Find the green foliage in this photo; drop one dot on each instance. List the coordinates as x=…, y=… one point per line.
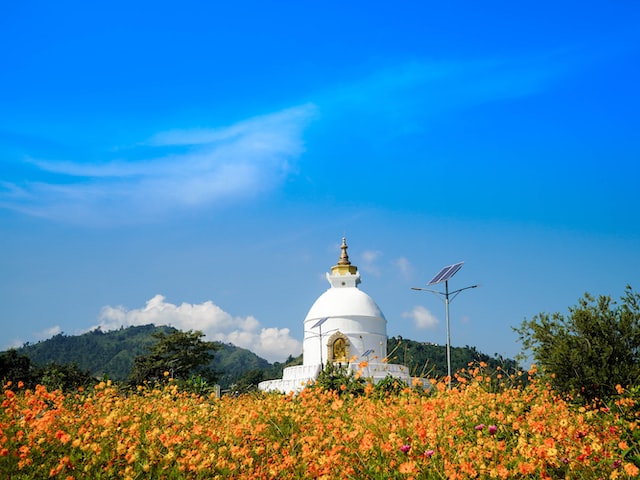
x=175, y=355
x=15, y=368
x=67, y=377
x=231, y=363
x=102, y=353
x=491, y=379
x=389, y=385
x=592, y=349
x=197, y=384
x=340, y=379
x=430, y=360
x=112, y=354
x=248, y=382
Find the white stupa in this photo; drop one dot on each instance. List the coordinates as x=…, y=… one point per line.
x=343, y=326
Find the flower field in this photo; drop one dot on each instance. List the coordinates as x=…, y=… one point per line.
x=471, y=431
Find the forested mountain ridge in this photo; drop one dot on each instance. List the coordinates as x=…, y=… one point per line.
x=112, y=354
x=101, y=353
x=430, y=360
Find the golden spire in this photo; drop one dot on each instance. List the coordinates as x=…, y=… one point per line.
x=344, y=265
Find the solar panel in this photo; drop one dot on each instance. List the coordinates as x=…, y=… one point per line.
x=446, y=273
x=320, y=322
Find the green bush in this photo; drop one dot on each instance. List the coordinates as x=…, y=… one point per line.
x=340, y=379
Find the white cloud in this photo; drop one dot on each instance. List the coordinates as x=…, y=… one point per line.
x=13, y=343
x=280, y=127
x=422, y=318
x=369, y=258
x=274, y=344
x=219, y=166
x=404, y=267
x=440, y=86
x=48, y=332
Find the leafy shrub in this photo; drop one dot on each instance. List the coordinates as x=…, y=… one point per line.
x=390, y=385
x=340, y=379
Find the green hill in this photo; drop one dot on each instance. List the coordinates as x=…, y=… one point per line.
x=101, y=353
x=430, y=360
x=112, y=353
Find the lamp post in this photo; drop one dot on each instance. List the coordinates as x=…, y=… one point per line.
x=444, y=275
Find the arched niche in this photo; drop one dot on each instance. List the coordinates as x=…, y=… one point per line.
x=338, y=348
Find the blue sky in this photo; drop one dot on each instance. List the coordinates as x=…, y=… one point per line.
x=197, y=164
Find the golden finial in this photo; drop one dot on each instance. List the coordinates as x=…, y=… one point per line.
x=344, y=258
x=344, y=265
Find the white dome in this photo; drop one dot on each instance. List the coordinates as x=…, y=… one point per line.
x=344, y=302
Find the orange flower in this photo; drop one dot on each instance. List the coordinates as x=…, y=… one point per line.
x=368, y=389
x=366, y=443
x=631, y=469
x=502, y=471
x=407, y=467
x=525, y=468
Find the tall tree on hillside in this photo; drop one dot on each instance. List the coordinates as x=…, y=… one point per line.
x=176, y=355
x=591, y=350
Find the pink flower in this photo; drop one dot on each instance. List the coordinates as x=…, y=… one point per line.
x=405, y=448
x=492, y=429
x=429, y=453
x=479, y=426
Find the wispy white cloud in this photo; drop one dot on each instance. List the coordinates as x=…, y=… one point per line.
x=274, y=344
x=369, y=259
x=13, y=343
x=404, y=267
x=264, y=130
x=48, y=332
x=422, y=318
x=219, y=166
x=411, y=93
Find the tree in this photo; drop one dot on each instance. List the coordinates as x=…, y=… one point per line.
x=177, y=355
x=66, y=377
x=591, y=350
x=17, y=368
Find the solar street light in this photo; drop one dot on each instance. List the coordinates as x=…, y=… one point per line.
x=445, y=275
